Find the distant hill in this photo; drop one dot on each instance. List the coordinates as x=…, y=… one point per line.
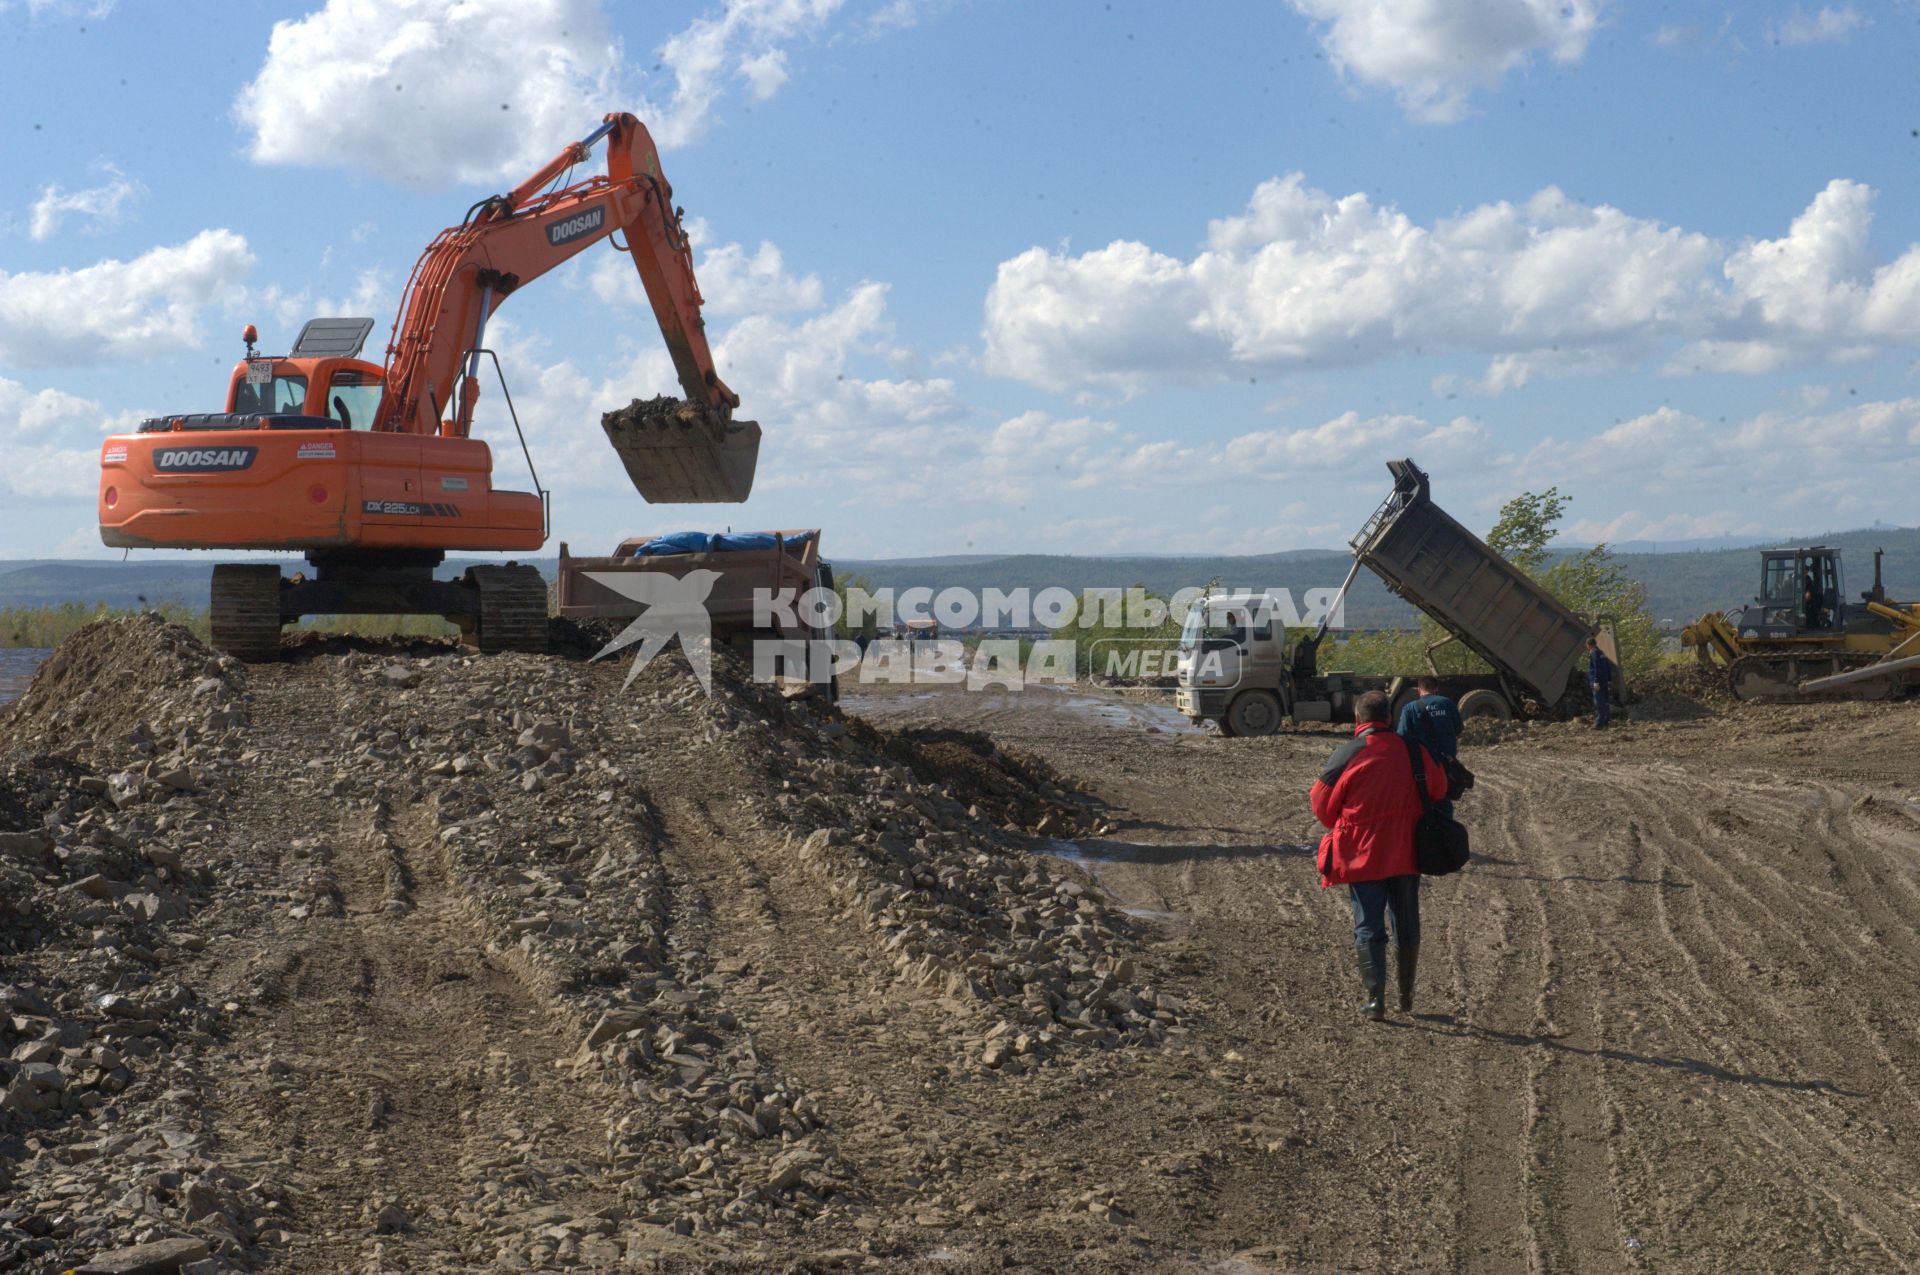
x=1680, y=585
x=145, y=582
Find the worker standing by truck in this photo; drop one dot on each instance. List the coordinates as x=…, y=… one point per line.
x=1433, y=722
x=1365, y=797
x=1600, y=681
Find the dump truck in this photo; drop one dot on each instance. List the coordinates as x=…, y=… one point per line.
x=1240, y=668
x=746, y=570
x=1801, y=639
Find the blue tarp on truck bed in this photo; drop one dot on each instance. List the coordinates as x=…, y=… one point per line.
x=709, y=542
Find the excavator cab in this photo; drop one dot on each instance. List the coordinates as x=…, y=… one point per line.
x=323, y=377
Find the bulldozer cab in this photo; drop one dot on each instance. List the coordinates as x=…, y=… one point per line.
x=1801, y=591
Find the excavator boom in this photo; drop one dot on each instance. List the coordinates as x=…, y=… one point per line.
x=674, y=451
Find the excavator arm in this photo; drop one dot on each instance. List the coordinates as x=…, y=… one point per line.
x=691, y=451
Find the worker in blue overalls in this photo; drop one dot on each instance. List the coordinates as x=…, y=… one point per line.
x=1600, y=681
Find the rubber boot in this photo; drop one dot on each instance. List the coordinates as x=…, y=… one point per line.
x=1373, y=975
x=1406, y=959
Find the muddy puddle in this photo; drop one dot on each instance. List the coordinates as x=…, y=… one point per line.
x=17, y=664
x=1100, y=858
x=1146, y=716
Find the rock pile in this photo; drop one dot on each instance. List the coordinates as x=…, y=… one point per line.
x=132, y=685
x=953, y=902
x=556, y=848
x=102, y=869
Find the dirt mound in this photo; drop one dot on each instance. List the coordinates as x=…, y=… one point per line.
x=132, y=685
x=1680, y=692
x=1011, y=788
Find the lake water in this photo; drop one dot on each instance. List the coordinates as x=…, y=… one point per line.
x=17, y=664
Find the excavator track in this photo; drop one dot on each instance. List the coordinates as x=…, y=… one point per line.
x=244, y=617
x=512, y=609
x=1775, y=678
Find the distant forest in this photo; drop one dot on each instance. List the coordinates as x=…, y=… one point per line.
x=1680, y=586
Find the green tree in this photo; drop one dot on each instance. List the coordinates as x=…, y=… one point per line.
x=1525, y=525
x=1588, y=583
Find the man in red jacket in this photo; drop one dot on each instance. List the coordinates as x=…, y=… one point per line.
x=1366, y=798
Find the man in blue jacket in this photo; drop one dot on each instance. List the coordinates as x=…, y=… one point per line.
x=1600, y=681
x=1433, y=722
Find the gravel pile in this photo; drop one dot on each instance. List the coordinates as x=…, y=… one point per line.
x=1681, y=692
x=103, y=870
x=556, y=848
x=952, y=901
x=129, y=686
x=165, y=861
x=1006, y=786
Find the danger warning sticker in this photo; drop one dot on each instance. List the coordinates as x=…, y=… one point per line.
x=315, y=451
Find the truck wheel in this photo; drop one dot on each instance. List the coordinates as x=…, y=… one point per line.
x=1485, y=703
x=1253, y=713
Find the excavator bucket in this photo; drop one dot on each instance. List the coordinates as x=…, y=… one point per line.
x=678, y=453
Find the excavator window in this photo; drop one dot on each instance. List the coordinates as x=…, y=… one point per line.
x=281, y=395
x=353, y=398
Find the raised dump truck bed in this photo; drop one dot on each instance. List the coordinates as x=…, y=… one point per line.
x=1490, y=605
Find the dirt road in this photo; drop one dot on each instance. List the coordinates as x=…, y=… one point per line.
x=473, y=964
x=1662, y=1021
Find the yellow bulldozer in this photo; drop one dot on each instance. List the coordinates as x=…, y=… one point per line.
x=1801, y=639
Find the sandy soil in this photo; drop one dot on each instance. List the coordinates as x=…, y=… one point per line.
x=1664, y=1020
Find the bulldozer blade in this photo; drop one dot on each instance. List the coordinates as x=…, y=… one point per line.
x=678, y=453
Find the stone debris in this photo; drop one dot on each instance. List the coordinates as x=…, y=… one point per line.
x=533, y=783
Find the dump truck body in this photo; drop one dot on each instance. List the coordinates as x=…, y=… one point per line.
x=589, y=588
x=1491, y=606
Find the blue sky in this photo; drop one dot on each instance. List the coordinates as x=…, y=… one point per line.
x=1083, y=277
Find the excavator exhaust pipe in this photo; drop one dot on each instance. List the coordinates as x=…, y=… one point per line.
x=678, y=453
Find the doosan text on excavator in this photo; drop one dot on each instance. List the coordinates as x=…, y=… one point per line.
x=370, y=470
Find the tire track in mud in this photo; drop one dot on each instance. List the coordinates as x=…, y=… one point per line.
x=1571, y=1175
x=391, y=1060
x=1783, y=1124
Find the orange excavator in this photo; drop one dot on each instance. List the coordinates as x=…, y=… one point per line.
x=370, y=471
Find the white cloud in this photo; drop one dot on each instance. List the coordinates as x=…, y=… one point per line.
x=37, y=428
x=1302, y=279
x=120, y=311
x=1435, y=53
x=732, y=281
x=427, y=93
x=765, y=72
x=38, y=9
x=1830, y=25
x=1332, y=448
x=744, y=41
x=106, y=203
x=373, y=295
x=430, y=92
x=32, y=415
x=1814, y=293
